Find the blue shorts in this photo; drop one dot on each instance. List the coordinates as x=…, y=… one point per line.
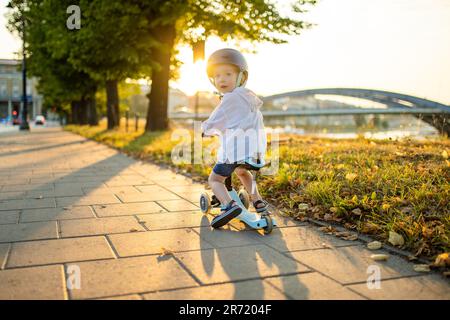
x=225, y=169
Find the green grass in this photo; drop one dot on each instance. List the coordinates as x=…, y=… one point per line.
x=400, y=186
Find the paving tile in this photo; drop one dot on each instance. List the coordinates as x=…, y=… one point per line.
x=178, y=205
x=312, y=286
x=141, y=197
x=238, y=263
x=152, y=242
x=350, y=264
x=125, y=297
x=129, y=276
x=427, y=287
x=301, y=238
x=98, y=226
x=243, y=290
x=57, y=192
x=35, y=283
x=27, y=231
x=48, y=214
x=8, y=217
x=127, y=209
x=58, y=251
x=86, y=200
x=171, y=220
x=128, y=182
x=4, y=249
x=26, y=187
x=111, y=190
x=222, y=238
x=12, y=195
x=27, y=204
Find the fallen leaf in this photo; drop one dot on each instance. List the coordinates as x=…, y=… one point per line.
x=303, y=206
x=395, y=239
x=342, y=234
x=327, y=217
x=442, y=260
x=134, y=230
x=421, y=268
x=379, y=257
x=165, y=252
x=351, y=176
x=352, y=237
x=356, y=211
x=374, y=245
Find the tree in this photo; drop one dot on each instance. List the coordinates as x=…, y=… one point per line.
x=47, y=51
x=179, y=21
x=114, y=43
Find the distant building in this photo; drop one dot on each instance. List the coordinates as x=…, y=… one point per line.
x=11, y=91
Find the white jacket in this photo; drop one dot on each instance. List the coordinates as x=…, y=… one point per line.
x=238, y=121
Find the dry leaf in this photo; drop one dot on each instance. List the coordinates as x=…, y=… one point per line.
x=356, y=211
x=303, y=206
x=374, y=245
x=165, y=252
x=134, y=230
x=442, y=260
x=352, y=237
x=342, y=234
x=421, y=268
x=327, y=217
x=351, y=176
x=395, y=239
x=379, y=257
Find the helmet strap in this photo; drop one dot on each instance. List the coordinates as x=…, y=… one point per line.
x=239, y=78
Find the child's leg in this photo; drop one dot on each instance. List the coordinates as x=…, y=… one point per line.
x=216, y=182
x=247, y=180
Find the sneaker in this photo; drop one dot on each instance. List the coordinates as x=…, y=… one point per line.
x=231, y=211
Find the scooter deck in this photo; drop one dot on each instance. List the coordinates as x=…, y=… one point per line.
x=252, y=219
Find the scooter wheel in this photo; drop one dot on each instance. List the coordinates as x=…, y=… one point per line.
x=205, y=203
x=244, y=197
x=268, y=229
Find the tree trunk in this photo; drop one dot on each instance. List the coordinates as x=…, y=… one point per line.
x=112, y=104
x=74, y=106
x=82, y=111
x=159, y=94
x=92, y=110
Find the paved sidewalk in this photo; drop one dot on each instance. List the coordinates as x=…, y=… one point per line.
x=78, y=220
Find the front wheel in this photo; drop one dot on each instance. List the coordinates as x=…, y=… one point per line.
x=268, y=229
x=205, y=203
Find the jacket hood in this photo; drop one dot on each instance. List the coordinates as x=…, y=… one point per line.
x=253, y=100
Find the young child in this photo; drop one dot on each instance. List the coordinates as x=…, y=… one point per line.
x=239, y=123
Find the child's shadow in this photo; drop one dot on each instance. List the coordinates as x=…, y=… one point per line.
x=245, y=262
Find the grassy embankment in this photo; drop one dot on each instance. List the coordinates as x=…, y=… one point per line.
x=370, y=186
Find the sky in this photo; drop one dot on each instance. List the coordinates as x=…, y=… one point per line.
x=395, y=45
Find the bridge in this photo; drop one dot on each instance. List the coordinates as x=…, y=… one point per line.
x=434, y=113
